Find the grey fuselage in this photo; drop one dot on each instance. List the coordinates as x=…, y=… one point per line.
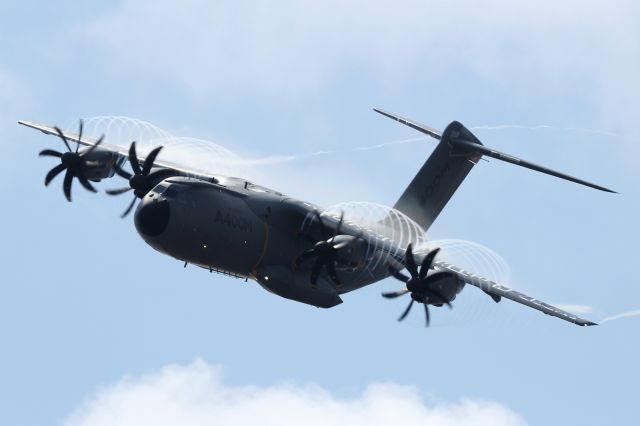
x=236, y=227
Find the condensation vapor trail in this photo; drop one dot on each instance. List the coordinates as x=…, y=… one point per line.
x=382, y=145
x=629, y=314
x=510, y=126
x=279, y=159
x=124, y=129
x=288, y=158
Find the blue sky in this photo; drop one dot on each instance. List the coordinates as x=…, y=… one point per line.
x=86, y=302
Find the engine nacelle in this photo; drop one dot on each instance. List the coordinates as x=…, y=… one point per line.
x=449, y=286
x=99, y=163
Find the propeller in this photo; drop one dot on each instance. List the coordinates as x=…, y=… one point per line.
x=423, y=288
x=142, y=180
x=326, y=252
x=72, y=161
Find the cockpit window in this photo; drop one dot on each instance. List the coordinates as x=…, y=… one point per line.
x=171, y=192
x=167, y=191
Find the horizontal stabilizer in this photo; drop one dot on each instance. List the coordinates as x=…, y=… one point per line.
x=413, y=124
x=465, y=144
x=471, y=147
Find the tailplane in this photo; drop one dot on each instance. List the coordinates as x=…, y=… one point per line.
x=454, y=157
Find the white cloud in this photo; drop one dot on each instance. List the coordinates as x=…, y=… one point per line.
x=195, y=395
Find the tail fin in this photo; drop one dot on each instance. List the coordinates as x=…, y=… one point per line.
x=456, y=154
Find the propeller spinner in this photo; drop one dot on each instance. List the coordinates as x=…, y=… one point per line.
x=434, y=289
x=327, y=252
x=142, y=180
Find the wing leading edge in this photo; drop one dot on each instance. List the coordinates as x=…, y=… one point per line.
x=86, y=141
x=496, y=291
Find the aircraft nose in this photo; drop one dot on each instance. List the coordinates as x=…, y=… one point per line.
x=152, y=217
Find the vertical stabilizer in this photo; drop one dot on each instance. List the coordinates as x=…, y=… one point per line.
x=439, y=178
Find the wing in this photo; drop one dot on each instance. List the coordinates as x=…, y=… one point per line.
x=86, y=141
x=496, y=291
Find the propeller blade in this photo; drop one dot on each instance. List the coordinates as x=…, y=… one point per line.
x=426, y=313
x=333, y=274
x=426, y=263
x=50, y=153
x=306, y=255
x=118, y=191
x=148, y=163
x=66, y=186
x=323, y=231
x=128, y=210
x=161, y=174
x=337, y=231
x=79, y=135
x=394, y=294
x=350, y=242
x=398, y=275
x=315, y=272
x=53, y=173
x=85, y=182
x=63, y=137
x=133, y=159
x=121, y=172
x=410, y=262
x=406, y=311
x=343, y=244
x=94, y=146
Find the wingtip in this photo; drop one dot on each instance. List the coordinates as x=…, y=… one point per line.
x=603, y=189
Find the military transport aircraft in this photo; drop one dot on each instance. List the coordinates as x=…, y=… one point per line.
x=290, y=247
